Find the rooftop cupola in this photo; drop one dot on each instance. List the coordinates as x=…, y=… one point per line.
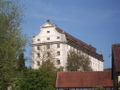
x=48, y=21
x=48, y=24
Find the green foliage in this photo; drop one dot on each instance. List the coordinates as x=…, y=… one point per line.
x=78, y=62
x=50, y=68
x=99, y=88
x=60, y=69
x=48, y=65
x=21, y=62
x=36, y=80
x=42, y=79
x=12, y=41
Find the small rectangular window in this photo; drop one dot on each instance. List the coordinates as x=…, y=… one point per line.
x=38, y=39
x=48, y=38
x=48, y=31
x=38, y=63
x=48, y=54
x=38, y=54
x=58, y=53
x=48, y=46
x=58, y=37
x=38, y=48
x=58, y=45
x=58, y=62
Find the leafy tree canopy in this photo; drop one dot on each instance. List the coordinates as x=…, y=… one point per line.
x=36, y=80
x=77, y=61
x=12, y=41
x=99, y=88
x=43, y=78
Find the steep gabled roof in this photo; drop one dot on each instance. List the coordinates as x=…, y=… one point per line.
x=83, y=79
x=81, y=45
x=116, y=56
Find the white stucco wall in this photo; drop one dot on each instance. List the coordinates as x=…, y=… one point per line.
x=64, y=48
x=96, y=64
x=42, y=36
x=118, y=78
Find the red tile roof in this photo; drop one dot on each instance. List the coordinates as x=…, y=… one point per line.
x=83, y=79
x=116, y=56
x=79, y=43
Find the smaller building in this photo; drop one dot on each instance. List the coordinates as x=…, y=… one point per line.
x=116, y=65
x=84, y=80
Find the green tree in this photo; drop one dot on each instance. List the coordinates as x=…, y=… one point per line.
x=21, y=62
x=36, y=80
x=42, y=79
x=12, y=41
x=76, y=61
x=48, y=65
x=60, y=69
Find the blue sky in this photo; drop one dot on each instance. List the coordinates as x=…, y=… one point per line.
x=96, y=22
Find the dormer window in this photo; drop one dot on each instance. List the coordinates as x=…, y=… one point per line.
x=48, y=31
x=48, y=38
x=38, y=39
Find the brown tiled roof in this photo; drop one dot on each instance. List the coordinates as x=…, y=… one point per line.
x=85, y=47
x=116, y=56
x=83, y=79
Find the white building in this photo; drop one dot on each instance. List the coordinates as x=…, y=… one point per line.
x=54, y=42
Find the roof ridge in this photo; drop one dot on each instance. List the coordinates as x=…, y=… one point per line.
x=75, y=37
x=80, y=43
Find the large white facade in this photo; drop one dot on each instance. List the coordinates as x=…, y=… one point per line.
x=54, y=43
